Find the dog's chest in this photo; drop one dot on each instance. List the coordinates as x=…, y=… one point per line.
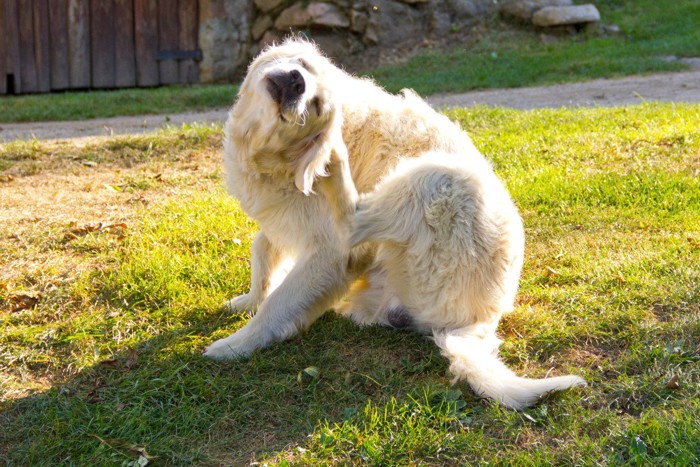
x=287, y=216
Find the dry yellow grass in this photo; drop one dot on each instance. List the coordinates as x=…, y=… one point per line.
x=66, y=204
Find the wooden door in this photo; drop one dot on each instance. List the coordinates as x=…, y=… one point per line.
x=76, y=44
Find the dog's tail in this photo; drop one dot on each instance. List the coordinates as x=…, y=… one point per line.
x=474, y=357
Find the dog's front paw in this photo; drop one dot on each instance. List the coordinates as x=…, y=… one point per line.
x=229, y=348
x=242, y=303
x=242, y=343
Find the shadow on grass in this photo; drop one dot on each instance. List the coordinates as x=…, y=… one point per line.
x=164, y=399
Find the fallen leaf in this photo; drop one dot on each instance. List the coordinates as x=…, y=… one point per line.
x=551, y=271
x=24, y=300
x=114, y=226
x=138, y=199
x=131, y=360
x=673, y=383
x=111, y=362
x=307, y=374
x=141, y=455
x=93, y=397
x=77, y=232
x=137, y=452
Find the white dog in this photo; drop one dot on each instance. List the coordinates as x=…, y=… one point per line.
x=437, y=244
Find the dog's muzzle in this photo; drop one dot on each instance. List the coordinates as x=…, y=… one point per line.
x=286, y=87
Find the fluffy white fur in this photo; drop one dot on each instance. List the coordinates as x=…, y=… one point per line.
x=450, y=253
x=436, y=245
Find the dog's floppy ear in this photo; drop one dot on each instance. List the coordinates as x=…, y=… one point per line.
x=313, y=162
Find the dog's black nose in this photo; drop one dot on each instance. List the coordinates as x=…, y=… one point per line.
x=296, y=82
x=286, y=86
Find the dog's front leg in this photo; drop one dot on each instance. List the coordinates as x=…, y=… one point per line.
x=311, y=287
x=264, y=260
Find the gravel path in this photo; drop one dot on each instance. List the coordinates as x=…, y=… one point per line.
x=675, y=87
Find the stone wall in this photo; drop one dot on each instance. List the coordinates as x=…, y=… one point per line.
x=355, y=33
x=224, y=37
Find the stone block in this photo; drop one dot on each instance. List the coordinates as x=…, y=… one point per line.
x=224, y=37
x=358, y=21
x=522, y=10
x=268, y=5
x=317, y=14
x=261, y=24
x=469, y=8
x=395, y=24
x=565, y=15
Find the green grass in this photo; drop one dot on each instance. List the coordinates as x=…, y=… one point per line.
x=507, y=58
x=106, y=368
x=504, y=57
x=101, y=104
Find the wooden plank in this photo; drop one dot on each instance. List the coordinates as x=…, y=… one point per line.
x=3, y=47
x=125, y=60
x=42, y=55
x=146, y=41
x=58, y=28
x=168, y=40
x=79, y=43
x=102, y=43
x=188, y=39
x=27, y=60
x=12, y=67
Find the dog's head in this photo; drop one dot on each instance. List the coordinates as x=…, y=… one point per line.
x=287, y=113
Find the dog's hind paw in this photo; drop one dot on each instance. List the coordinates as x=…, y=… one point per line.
x=399, y=318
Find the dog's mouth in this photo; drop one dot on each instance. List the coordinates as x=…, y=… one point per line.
x=287, y=89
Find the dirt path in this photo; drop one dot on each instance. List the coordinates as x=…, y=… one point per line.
x=676, y=87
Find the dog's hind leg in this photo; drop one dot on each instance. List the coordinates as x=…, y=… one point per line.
x=363, y=303
x=339, y=190
x=370, y=302
x=265, y=259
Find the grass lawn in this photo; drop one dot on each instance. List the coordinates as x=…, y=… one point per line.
x=503, y=56
x=113, y=273
x=507, y=57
